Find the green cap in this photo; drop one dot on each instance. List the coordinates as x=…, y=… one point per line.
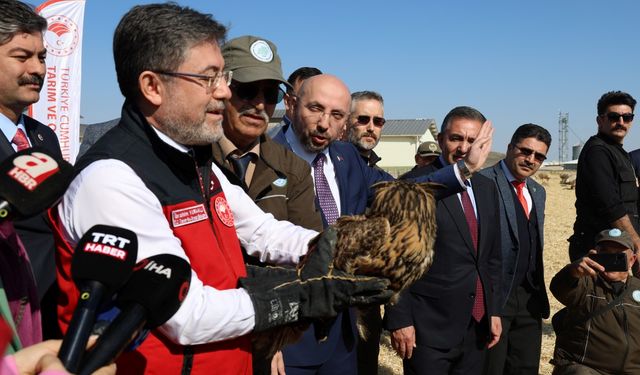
x=252, y=59
x=615, y=235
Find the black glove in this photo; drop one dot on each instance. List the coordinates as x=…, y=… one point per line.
x=279, y=297
x=319, y=259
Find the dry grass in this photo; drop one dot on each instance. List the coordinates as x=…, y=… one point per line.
x=559, y=218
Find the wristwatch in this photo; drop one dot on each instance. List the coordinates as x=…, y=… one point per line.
x=464, y=171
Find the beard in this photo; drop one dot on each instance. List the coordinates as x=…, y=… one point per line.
x=308, y=144
x=357, y=139
x=195, y=132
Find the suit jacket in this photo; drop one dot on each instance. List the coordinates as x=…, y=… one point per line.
x=439, y=304
x=281, y=184
x=509, y=238
x=35, y=232
x=354, y=178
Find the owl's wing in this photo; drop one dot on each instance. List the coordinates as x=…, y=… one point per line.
x=359, y=241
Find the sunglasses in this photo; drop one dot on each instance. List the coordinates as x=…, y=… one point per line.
x=615, y=116
x=528, y=152
x=249, y=91
x=377, y=121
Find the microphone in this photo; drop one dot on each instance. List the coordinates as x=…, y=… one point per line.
x=152, y=295
x=102, y=262
x=31, y=181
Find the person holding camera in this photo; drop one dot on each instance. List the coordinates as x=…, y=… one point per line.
x=599, y=330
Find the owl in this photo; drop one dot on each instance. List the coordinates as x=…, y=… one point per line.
x=394, y=240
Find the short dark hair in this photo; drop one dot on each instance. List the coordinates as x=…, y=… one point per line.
x=302, y=74
x=531, y=131
x=156, y=37
x=18, y=17
x=615, y=98
x=465, y=112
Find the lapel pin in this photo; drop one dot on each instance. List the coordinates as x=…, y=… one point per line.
x=40, y=137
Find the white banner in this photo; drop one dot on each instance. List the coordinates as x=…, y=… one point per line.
x=59, y=104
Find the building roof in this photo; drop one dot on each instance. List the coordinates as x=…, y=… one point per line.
x=415, y=127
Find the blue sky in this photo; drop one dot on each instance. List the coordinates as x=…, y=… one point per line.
x=515, y=61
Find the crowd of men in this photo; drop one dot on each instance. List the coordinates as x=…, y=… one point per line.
x=193, y=141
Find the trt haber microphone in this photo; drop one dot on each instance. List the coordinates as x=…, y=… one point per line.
x=152, y=295
x=31, y=181
x=102, y=262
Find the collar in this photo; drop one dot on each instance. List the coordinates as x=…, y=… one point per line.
x=9, y=128
x=608, y=140
x=507, y=173
x=229, y=148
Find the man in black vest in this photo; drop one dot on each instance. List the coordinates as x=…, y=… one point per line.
x=524, y=297
x=606, y=185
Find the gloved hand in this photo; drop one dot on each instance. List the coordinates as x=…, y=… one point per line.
x=319, y=259
x=279, y=297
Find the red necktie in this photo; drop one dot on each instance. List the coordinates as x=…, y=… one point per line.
x=478, y=306
x=519, y=185
x=20, y=140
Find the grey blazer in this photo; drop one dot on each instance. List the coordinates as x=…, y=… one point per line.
x=509, y=233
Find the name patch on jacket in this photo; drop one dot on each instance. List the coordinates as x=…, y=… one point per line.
x=189, y=215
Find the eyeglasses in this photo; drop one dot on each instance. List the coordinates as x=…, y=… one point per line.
x=212, y=82
x=540, y=157
x=377, y=121
x=615, y=116
x=317, y=112
x=249, y=91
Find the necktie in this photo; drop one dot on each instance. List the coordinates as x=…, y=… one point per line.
x=478, y=306
x=240, y=165
x=323, y=192
x=519, y=185
x=20, y=140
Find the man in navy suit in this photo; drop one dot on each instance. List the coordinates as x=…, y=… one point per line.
x=22, y=63
x=523, y=294
x=446, y=320
x=320, y=113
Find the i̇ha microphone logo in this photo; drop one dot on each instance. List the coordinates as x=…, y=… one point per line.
x=62, y=36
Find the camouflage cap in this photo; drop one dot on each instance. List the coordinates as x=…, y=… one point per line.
x=429, y=148
x=252, y=59
x=615, y=235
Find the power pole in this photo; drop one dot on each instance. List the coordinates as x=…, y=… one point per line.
x=563, y=126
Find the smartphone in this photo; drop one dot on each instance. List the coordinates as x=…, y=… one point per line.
x=612, y=262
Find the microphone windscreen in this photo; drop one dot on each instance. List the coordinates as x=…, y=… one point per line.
x=32, y=180
x=105, y=254
x=159, y=284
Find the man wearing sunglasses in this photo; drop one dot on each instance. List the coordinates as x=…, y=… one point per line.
x=274, y=177
x=365, y=124
x=523, y=294
x=606, y=185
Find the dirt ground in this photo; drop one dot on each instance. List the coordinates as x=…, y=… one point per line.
x=559, y=218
